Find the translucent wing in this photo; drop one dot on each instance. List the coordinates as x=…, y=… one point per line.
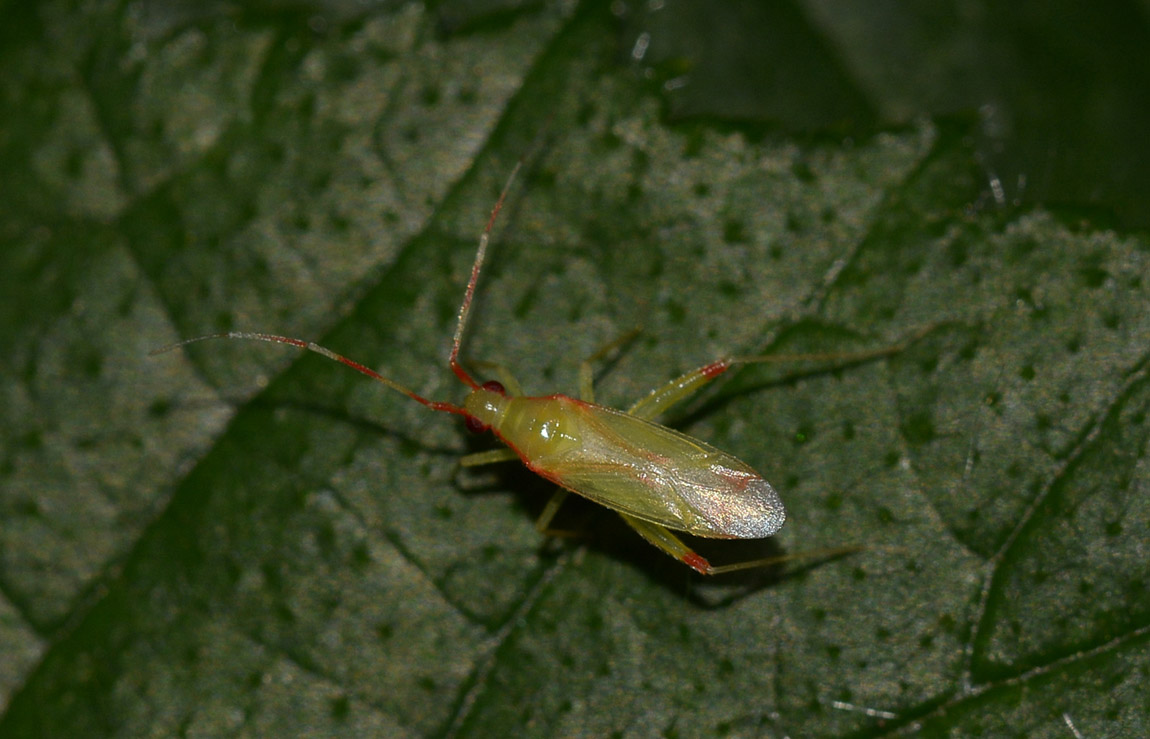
x=662, y=476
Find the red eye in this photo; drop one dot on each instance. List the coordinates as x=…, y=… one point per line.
x=495, y=386
x=475, y=426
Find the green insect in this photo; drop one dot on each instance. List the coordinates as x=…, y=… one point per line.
x=657, y=479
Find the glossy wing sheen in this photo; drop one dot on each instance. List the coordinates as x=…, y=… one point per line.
x=662, y=476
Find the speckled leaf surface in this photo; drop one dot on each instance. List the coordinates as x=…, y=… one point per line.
x=236, y=540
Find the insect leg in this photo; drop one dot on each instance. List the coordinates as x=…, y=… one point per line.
x=586, y=369
x=543, y=523
x=662, y=398
x=491, y=456
x=661, y=537
x=675, y=391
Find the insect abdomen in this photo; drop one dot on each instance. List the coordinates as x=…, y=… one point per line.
x=641, y=468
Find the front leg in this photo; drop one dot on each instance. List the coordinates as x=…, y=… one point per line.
x=491, y=456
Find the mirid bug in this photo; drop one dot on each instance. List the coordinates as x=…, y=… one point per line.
x=659, y=480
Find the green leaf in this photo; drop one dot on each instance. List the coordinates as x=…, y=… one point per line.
x=236, y=539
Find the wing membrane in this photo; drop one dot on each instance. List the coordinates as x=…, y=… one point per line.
x=665, y=477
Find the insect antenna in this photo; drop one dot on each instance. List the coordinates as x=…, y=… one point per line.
x=314, y=347
x=465, y=308
x=464, y=312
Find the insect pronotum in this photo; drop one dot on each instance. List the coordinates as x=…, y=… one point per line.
x=658, y=479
